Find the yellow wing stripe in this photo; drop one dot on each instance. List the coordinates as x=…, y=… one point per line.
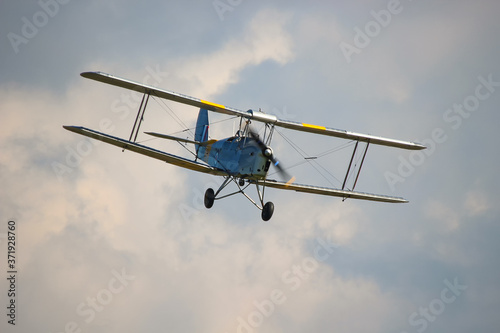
x=213, y=104
x=314, y=126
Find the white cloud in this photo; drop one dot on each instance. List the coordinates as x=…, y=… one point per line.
x=444, y=216
x=476, y=203
x=119, y=210
x=265, y=39
x=448, y=218
x=116, y=205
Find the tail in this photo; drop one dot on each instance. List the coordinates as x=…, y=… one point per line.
x=201, y=133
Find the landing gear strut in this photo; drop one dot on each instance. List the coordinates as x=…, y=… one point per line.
x=267, y=208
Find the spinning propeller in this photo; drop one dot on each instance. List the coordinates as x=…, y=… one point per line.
x=268, y=153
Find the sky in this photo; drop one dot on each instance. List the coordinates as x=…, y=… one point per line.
x=107, y=241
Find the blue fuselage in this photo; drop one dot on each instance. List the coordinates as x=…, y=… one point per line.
x=239, y=156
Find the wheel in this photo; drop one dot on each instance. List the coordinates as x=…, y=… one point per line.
x=267, y=211
x=209, y=198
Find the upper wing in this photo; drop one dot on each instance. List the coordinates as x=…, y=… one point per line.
x=170, y=95
x=349, y=135
x=330, y=191
x=250, y=114
x=148, y=151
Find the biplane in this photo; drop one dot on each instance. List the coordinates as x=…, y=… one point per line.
x=244, y=158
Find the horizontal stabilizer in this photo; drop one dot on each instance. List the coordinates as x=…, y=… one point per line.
x=174, y=138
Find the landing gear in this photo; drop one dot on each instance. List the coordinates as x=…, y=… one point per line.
x=209, y=198
x=267, y=208
x=267, y=211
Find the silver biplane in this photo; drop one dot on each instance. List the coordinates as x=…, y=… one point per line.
x=244, y=158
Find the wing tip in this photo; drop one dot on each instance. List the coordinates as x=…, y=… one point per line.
x=86, y=74
x=418, y=146
x=70, y=128
x=93, y=74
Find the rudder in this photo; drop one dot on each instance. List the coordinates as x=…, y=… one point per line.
x=201, y=132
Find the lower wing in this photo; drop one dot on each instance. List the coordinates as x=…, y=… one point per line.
x=148, y=151
x=330, y=191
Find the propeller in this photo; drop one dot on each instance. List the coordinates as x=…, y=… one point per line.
x=268, y=152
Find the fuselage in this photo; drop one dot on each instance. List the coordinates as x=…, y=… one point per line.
x=239, y=156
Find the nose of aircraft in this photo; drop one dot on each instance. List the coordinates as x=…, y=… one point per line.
x=268, y=153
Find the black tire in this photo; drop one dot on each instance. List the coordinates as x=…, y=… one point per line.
x=209, y=198
x=267, y=211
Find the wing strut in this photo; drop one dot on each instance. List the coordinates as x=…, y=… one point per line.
x=360, y=166
x=140, y=116
x=350, y=163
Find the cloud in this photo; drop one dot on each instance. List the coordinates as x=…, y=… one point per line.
x=119, y=210
x=476, y=203
x=265, y=39
x=115, y=210
x=444, y=215
x=123, y=209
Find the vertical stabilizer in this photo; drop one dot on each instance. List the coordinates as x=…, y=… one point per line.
x=201, y=132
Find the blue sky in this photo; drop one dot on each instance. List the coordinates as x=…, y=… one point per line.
x=116, y=242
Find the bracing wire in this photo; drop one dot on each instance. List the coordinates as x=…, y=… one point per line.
x=313, y=162
x=179, y=121
x=306, y=157
x=173, y=114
